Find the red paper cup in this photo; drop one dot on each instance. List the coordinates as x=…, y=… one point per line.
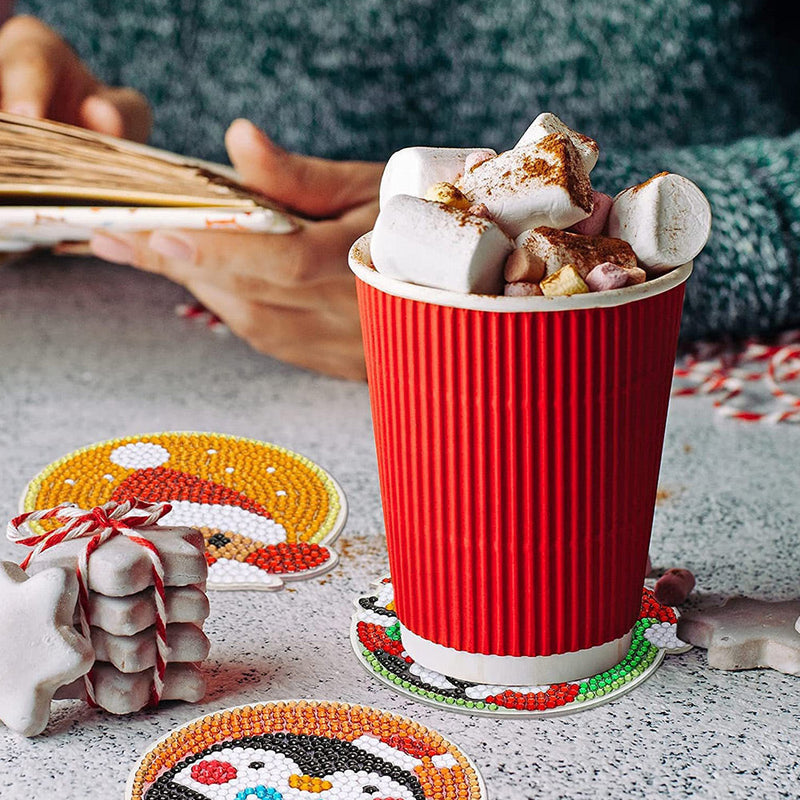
x=519, y=442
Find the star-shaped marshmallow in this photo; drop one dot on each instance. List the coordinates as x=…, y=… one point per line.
x=744, y=633
x=39, y=648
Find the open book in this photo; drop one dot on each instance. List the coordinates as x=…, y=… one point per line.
x=59, y=183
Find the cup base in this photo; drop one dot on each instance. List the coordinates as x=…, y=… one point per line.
x=514, y=670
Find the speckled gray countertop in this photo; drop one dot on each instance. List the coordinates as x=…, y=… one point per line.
x=90, y=351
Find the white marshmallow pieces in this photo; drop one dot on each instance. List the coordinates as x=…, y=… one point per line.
x=434, y=244
x=448, y=216
x=667, y=221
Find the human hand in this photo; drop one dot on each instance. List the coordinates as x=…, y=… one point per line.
x=41, y=76
x=291, y=296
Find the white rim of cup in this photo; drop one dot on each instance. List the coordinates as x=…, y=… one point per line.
x=361, y=265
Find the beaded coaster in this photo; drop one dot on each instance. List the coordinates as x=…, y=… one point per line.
x=301, y=750
x=267, y=514
x=375, y=635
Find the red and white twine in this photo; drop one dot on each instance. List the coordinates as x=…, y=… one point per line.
x=198, y=311
x=713, y=369
x=99, y=525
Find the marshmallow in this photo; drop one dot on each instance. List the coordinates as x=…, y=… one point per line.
x=125, y=616
x=595, y=224
x=413, y=169
x=541, y=183
x=185, y=642
x=674, y=586
x=667, y=221
x=606, y=276
x=636, y=275
x=477, y=157
x=547, y=123
x=39, y=649
x=446, y=193
x=434, y=245
x=559, y=248
x=565, y=282
x=121, y=567
x=479, y=210
x=522, y=289
x=126, y=693
x=523, y=265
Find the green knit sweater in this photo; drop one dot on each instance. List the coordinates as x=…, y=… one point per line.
x=705, y=88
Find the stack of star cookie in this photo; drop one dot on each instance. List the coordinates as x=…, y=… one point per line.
x=123, y=614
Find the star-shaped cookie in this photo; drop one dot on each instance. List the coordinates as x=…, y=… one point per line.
x=39, y=648
x=744, y=633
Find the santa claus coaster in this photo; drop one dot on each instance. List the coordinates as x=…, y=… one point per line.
x=744, y=633
x=267, y=514
x=298, y=749
x=376, y=639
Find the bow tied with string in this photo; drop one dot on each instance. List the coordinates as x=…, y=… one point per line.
x=97, y=526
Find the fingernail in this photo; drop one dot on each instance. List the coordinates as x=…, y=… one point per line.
x=111, y=248
x=171, y=246
x=24, y=109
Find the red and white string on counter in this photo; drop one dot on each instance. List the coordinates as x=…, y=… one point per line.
x=199, y=312
x=101, y=524
x=740, y=373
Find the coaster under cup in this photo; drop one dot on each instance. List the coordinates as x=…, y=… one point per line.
x=294, y=749
x=267, y=514
x=375, y=634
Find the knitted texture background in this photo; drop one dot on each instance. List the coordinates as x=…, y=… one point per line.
x=707, y=89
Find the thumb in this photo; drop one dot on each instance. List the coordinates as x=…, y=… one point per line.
x=117, y=111
x=310, y=186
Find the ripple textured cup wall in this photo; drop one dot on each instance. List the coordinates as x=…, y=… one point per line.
x=519, y=442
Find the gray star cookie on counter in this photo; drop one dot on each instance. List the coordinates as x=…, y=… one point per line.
x=40, y=651
x=744, y=633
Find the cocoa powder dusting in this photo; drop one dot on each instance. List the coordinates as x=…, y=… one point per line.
x=635, y=189
x=569, y=171
x=537, y=168
x=584, y=139
x=464, y=218
x=589, y=249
